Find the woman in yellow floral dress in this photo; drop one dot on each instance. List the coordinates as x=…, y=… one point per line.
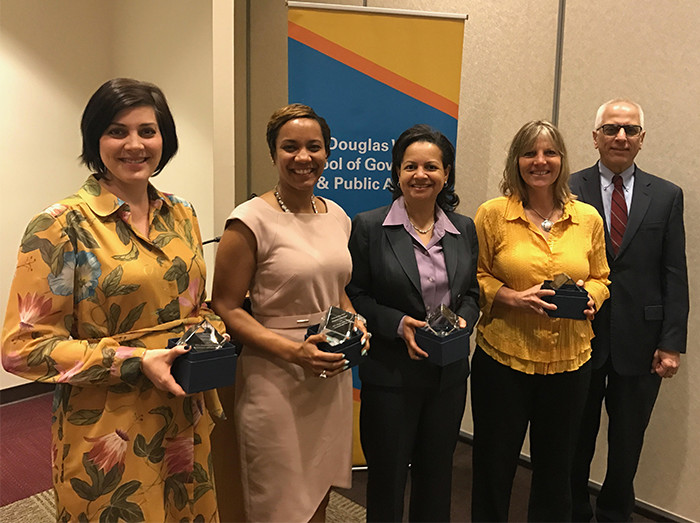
x=104, y=278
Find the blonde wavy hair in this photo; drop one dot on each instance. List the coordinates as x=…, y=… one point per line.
x=512, y=183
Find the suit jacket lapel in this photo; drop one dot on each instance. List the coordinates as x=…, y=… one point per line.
x=593, y=196
x=449, y=250
x=641, y=198
x=591, y=190
x=402, y=246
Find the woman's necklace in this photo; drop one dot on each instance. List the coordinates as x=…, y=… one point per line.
x=546, y=223
x=422, y=231
x=286, y=209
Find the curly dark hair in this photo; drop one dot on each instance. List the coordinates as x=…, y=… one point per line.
x=447, y=199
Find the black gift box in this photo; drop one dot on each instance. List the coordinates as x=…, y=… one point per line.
x=570, y=299
x=443, y=350
x=351, y=348
x=199, y=370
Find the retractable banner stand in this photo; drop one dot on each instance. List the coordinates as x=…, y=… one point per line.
x=372, y=73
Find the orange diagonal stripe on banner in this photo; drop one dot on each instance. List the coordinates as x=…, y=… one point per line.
x=354, y=60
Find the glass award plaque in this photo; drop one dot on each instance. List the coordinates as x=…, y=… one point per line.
x=337, y=324
x=202, y=337
x=562, y=279
x=442, y=321
x=570, y=299
x=211, y=362
x=442, y=338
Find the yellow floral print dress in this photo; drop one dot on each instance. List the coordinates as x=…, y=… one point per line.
x=90, y=295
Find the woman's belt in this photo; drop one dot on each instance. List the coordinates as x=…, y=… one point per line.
x=290, y=322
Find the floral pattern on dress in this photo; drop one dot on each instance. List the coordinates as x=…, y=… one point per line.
x=90, y=295
x=32, y=308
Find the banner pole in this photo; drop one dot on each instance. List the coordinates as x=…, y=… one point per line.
x=384, y=10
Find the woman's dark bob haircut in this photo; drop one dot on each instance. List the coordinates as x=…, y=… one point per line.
x=110, y=99
x=447, y=199
x=291, y=112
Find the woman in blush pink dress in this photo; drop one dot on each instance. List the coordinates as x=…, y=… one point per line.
x=293, y=402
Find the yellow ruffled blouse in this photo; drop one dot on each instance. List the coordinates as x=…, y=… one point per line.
x=90, y=295
x=515, y=253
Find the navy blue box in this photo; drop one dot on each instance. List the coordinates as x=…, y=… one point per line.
x=199, y=370
x=351, y=348
x=571, y=301
x=443, y=350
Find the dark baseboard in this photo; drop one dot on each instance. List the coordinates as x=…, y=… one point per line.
x=27, y=390
x=640, y=507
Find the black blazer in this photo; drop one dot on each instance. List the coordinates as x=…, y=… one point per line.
x=385, y=286
x=648, y=305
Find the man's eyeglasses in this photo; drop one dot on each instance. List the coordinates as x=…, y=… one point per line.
x=611, y=129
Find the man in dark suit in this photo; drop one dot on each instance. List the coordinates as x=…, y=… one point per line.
x=641, y=330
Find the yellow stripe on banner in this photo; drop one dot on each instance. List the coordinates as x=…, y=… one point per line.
x=379, y=73
x=424, y=51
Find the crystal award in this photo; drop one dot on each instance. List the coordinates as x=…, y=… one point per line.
x=337, y=324
x=442, y=321
x=570, y=299
x=202, y=337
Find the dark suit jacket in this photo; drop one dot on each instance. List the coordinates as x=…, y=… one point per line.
x=385, y=286
x=648, y=305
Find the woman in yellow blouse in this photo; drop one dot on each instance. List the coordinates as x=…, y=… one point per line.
x=530, y=368
x=104, y=278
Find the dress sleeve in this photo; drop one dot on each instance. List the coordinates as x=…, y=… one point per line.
x=37, y=336
x=341, y=215
x=487, y=231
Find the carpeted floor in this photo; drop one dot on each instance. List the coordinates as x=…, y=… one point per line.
x=25, y=451
x=26, y=495
x=40, y=508
x=25, y=473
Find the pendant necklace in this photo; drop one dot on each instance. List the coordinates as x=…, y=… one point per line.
x=286, y=209
x=422, y=231
x=546, y=223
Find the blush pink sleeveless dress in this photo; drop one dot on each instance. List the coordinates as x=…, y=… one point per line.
x=294, y=429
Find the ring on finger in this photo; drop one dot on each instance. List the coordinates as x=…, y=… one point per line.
x=323, y=375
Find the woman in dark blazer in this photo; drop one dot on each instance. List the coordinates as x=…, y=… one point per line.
x=408, y=259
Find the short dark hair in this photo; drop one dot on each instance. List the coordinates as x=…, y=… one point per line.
x=447, y=199
x=291, y=112
x=115, y=96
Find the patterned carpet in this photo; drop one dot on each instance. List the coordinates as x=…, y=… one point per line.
x=25, y=448
x=26, y=468
x=40, y=509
